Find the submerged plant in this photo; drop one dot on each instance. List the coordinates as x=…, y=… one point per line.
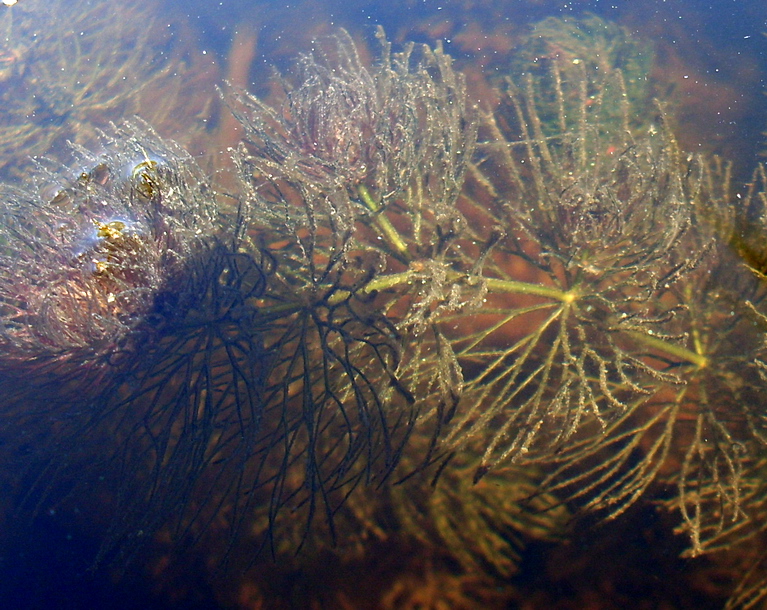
x=69, y=68
x=393, y=288
x=579, y=57
x=554, y=297
x=225, y=352
x=635, y=350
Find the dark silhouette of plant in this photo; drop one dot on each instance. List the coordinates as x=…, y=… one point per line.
x=578, y=306
x=221, y=351
x=386, y=207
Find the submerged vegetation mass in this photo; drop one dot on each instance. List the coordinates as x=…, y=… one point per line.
x=395, y=311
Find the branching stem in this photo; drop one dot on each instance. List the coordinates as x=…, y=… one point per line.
x=567, y=297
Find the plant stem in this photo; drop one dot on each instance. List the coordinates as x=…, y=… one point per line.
x=387, y=228
x=393, y=280
x=671, y=349
x=570, y=296
x=514, y=287
x=508, y=286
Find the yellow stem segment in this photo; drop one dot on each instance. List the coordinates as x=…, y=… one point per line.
x=677, y=351
x=387, y=228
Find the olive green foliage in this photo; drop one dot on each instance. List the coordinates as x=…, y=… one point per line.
x=222, y=351
x=484, y=526
x=67, y=68
x=643, y=359
x=583, y=55
x=556, y=302
x=548, y=301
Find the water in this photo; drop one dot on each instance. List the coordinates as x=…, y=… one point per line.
x=232, y=384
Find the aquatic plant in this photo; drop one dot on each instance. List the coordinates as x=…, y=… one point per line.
x=579, y=56
x=91, y=270
x=69, y=68
x=554, y=295
x=393, y=287
x=229, y=347
x=554, y=306
x=639, y=354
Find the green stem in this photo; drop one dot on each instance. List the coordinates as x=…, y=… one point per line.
x=278, y=311
x=393, y=280
x=671, y=349
x=385, y=282
x=514, y=287
x=508, y=286
x=387, y=228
